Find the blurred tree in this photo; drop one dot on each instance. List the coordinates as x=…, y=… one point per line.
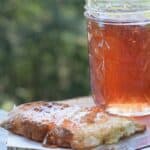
x=43, y=52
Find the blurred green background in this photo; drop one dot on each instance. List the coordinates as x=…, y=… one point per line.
x=43, y=51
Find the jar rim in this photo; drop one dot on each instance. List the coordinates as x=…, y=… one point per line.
x=127, y=10
x=118, y=5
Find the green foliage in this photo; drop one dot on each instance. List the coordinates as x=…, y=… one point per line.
x=43, y=52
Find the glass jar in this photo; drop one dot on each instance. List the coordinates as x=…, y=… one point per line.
x=119, y=55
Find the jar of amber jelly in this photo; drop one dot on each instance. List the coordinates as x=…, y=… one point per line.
x=119, y=55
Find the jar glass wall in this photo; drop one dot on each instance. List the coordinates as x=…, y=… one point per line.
x=119, y=55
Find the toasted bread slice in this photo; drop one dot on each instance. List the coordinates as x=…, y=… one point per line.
x=69, y=126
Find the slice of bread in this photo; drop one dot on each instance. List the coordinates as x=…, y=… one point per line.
x=69, y=126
